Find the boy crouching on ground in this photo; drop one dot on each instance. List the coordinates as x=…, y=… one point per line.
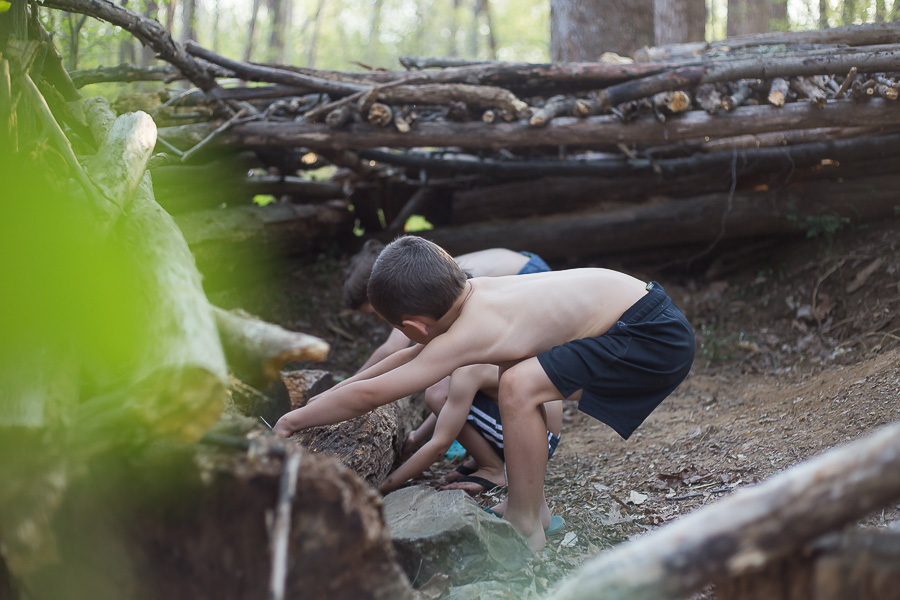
x=614, y=343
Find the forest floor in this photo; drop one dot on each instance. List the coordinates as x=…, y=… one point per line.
x=798, y=352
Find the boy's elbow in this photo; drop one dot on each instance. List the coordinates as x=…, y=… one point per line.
x=440, y=445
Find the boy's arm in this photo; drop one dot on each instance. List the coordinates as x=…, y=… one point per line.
x=357, y=397
x=383, y=366
x=450, y=422
x=395, y=342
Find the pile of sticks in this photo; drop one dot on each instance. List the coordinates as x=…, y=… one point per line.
x=740, y=137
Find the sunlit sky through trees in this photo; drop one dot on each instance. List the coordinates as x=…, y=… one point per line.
x=355, y=34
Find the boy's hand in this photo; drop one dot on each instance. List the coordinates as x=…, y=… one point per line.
x=283, y=428
x=410, y=446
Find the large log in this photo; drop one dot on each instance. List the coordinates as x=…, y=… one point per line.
x=257, y=350
x=850, y=35
x=572, y=131
x=557, y=195
x=186, y=189
x=750, y=528
x=130, y=315
x=789, y=210
x=197, y=522
x=245, y=241
x=863, y=564
x=370, y=445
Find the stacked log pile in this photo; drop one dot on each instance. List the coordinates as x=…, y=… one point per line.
x=687, y=145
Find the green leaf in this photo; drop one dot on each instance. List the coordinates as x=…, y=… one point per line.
x=4, y=6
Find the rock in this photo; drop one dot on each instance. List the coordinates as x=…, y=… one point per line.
x=448, y=532
x=491, y=590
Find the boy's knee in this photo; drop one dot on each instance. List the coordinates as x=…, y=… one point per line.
x=513, y=388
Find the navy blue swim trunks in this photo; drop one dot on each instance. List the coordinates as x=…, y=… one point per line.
x=536, y=264
x=484, y=416
x=629, y=370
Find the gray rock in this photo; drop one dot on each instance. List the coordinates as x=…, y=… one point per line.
x=447, y=532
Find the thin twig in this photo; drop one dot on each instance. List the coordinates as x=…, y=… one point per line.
x=211, y=136
x=175, y=150
x=281, y=529
x=686, y=497
x=816, y=289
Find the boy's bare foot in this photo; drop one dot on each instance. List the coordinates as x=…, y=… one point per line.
x=467, y=468
x=500, y=510
x=482, y=480
x=534, y=535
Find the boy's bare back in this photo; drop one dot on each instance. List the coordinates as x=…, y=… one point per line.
x=506, y=319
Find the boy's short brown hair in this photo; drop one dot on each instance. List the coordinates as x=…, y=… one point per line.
x=356, y=277
x=416, y=278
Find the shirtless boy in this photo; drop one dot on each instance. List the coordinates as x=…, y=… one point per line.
x=616, y=344
x=472, y=476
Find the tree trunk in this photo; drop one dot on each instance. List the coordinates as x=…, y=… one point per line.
x=14, y=22
x=313, y=48
x=584, y=30
x=126, y=45
x=150, y=12
x=823, y=14
x=215, y=520
x=778, y=16
x=278, y=22
x=856, y=563
x=188, y=20
x=171, y=5
x=747, y=16
x=251, y=31
x=750, y=528
x=678, y=21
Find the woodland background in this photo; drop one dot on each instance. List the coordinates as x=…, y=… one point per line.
x=120, y=357
x=353, y=34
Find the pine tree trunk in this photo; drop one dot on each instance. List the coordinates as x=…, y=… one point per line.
x=678, y=21
x=584, y=30
x=747, y=16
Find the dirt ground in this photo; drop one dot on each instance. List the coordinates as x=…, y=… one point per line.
x=798, y=351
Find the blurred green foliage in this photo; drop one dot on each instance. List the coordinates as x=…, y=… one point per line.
x=66, y=286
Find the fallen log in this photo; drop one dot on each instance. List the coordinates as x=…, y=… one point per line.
x=255, y=72
x=125, y=73
x=687, y=77
x=850, y=35
x=750, y=528
x=789, y=210
x=561, y=131
x=855, y=563
x=803, y=64
x=236, y=243
x=191, y=522
x=189, y=192
x=256, y=350
x=371, y=444
x=558, y=195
